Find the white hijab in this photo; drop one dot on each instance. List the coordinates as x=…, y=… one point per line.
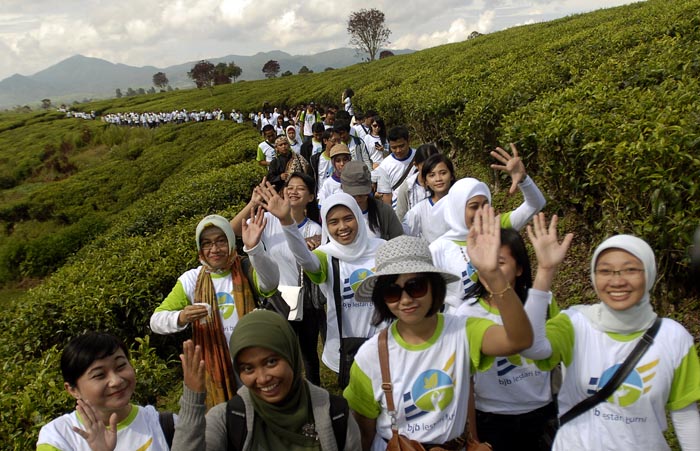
x=363, y=246
x=460, y=193
x=641, y=315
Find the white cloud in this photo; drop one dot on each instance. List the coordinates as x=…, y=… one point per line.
x=36, y=34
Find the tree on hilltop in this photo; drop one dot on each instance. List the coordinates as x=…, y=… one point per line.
x=385, y=54
x=287, y=73
x=160, y=80
x=305, y=70
x=202, y=74
x=368, y=31
x=271, y=69
x=118, y=93
x=46, y=103
x=223, y=73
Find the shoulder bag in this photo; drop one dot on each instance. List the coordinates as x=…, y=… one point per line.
x=620, y=375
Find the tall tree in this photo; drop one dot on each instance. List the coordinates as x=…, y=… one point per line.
x=271, y=69
x=160, y=80
x=368, y=31
x=223, y=73
x=46, y=103
x=305, y=70
x=202, y=74
x=118, y=93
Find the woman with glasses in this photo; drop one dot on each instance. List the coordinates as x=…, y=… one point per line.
x=376, y=142
x=431, y=355
x=592, y=341
x=213, y=297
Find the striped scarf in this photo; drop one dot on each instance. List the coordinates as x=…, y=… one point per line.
x=220, y=380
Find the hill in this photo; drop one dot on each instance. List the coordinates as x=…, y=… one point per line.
x=80, y=77
x=604, y=108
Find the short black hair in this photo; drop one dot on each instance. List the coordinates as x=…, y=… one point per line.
x=396, y=133
x=438, y=288
x=318, y=127
x=424, y=151
x=268, y=127
x=83, y=350
x=341, y=125
x=342, y=115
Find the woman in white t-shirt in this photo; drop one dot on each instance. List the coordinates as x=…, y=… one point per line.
x=346, y=99
x=98, y=374
x=426, y=219
x=465, y=197
x=293, y=137
x=299, y=191
x=345, y=239
x=592, y=341
x=431, y=355
x=514, y=403
x=376, y=142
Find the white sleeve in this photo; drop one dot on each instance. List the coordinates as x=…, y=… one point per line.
x=536, y=309
x=165, y=322
x=686, y=423
x=267, y=271
x=534, y=202
x=411, y=223
x=297, y=244
x=383, y=182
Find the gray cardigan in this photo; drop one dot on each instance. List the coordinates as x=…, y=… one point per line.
x=192, y=421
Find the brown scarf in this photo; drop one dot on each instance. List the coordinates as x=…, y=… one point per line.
x=220, y=380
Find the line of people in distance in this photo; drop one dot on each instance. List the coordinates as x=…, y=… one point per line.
x=401, y=249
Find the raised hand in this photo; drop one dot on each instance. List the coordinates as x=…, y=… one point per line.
x=253, y=229
x=512, y=164
x=193, y=367
x=97, y=435
x=484, y=240
x=549, y=251
x=275, y=204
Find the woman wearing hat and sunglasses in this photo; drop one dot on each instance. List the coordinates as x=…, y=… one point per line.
x=431, y=355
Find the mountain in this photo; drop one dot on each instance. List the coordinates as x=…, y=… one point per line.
x=80, y=77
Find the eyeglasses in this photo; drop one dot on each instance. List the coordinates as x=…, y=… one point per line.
x=416, y=288
x=221, y=243
x=627, y=273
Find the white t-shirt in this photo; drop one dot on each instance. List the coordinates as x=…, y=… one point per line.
x=633, y=418
x=324, y=171
x=430, y=382
x=426, y=220
x=377, y=156
x=330, y=186
x=390, y=172
x=513, y=385
x=267, y=151
x=140, y=430
x=278, y=249
x=164, y=319
x=357, y=316
x=309, y=119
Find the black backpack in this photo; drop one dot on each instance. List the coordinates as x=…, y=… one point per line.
x=237, y=428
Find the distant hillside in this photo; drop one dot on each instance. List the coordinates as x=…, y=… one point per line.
x=80, y=77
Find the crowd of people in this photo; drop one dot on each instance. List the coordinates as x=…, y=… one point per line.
x=440, y=329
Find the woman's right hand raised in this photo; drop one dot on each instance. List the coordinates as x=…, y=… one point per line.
x=193, y=367
x=275, y=204
x=549, y=251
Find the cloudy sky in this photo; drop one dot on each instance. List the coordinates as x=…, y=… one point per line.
x=34, y=34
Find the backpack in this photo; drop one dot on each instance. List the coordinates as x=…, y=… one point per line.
x=237, y=429
x=167, y=424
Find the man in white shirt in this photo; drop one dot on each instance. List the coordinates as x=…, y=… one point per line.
x=396, y=167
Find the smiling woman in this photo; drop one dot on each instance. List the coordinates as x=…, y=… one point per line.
x=97, y=373
x=277, y=409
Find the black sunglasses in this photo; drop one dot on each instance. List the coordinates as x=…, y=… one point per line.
x=416, y=288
